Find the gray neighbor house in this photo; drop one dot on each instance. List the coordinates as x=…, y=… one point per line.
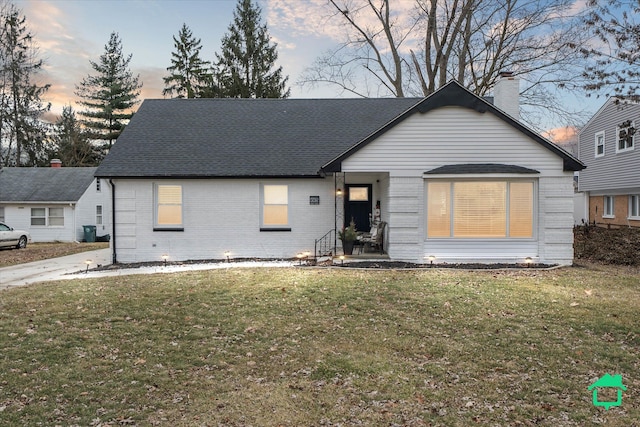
x=454, y=177
x=54, y=203
x=611, y=181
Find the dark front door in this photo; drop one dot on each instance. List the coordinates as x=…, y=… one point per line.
x=357, y=206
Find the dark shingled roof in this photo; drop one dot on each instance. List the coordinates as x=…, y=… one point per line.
x=480, y=168
x=272, y=137
x=244, y=137
x=44, y=184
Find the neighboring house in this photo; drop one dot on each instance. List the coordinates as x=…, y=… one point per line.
x=54, y=203
x=611, y=181
x=454, y=178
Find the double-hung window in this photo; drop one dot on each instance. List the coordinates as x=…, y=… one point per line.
x=599, y=144
x=275, y=208
x=99, y=215
x=480, y=209
x=52, y=217
x=626, y=136
x=168, y=210
x=634, y=206
x=609, y=207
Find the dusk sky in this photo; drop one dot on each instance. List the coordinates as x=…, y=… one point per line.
x=69, y=33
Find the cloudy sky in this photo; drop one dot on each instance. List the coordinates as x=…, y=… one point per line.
x=70, y=33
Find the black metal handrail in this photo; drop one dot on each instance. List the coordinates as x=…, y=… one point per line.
x=326, y=245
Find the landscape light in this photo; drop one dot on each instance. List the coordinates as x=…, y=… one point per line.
x=88, y=262
x=164, y=259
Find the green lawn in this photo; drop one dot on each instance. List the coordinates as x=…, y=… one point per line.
x=313, y=347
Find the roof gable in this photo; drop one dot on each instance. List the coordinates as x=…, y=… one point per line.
x=44, y=184
x=455, y=95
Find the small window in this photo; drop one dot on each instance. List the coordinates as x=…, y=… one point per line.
x=275, y=209
x=626, y=135
x=56, y=216
x=98, y=185
x=634, y=206
x=39, y=216
x=169, y=206
x=608, y=207
x=1, y=213
x=99, y=215
x=599, y=144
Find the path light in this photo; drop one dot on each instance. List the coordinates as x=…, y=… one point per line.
x=528, y=260
x=300, y=255
x=227, y=254
x=165, y=257
x=88, y=262
x=431, y=258
x=341, y=259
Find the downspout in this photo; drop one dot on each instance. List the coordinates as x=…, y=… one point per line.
x=114, y=256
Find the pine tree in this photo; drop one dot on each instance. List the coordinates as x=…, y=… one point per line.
x=244, y=68
x=23, y=139
x=189, y=77
x=108, y=96
x=73, y=147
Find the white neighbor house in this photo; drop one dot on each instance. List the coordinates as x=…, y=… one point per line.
x=455, y=178
x=54, y=203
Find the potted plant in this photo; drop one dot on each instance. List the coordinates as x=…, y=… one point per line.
x=348, y=235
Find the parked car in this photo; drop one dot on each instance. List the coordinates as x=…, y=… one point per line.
x=13, y=238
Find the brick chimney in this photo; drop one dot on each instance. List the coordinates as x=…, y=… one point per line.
x=56, y=163
x=506, y=94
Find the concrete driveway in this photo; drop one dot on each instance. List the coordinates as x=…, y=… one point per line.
x=51, y=269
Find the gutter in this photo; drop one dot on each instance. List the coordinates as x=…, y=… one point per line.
x=114, y=256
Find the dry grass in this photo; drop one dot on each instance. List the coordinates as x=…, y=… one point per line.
x=40, y=251
x=314, y=347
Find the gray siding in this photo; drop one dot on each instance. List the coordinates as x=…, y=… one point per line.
x=613, y=172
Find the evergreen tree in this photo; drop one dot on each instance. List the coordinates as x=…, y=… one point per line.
x=73, y=147
x=244, y=68
x=108, y=96
x=23, y=139
x=189, y=77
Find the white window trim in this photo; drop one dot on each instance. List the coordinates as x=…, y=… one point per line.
x=280, y=227
x=637, y=199
x=508, y=178
x=165, y=227
x=47, y=216
x=604, y=207
x=599, y=134
x=100, y=215
x=633, y=140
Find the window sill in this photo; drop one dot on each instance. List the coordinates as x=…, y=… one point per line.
x=169, y=229
x=608, y=216
x=274, y=229
x=634, y=218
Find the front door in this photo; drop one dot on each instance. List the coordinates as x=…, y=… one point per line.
x=357, y=206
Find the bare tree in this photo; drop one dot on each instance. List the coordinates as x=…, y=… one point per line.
x=412, y=52
x=615, y=69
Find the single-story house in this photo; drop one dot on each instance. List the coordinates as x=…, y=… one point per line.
x=54, y=204
x=454, y=178
x=611, y=182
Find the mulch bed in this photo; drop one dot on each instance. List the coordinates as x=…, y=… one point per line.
x=617, y=246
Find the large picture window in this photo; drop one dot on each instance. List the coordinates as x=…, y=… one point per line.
x=168, y=206
x=275, y=207
x=480, y=209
